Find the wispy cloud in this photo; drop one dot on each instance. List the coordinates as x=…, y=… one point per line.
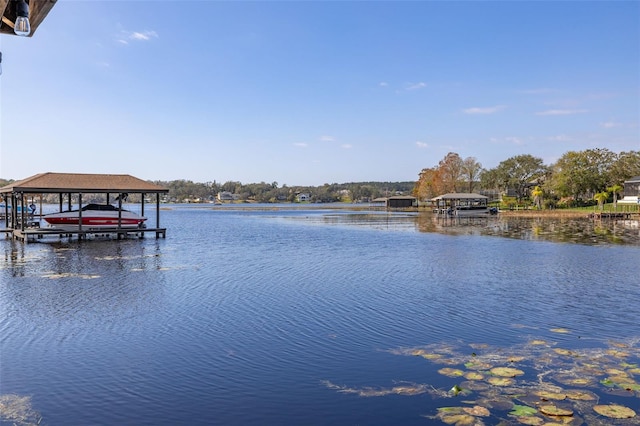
x=415, y=86
x=346, y=146
x=514, y=140
x=326, y=138
x=511, y=140
x=610, y=124
x=131, y=36
x=560, y=138
x=420, y=144
x=383, y=84
x=301, y=144
x=484, y=110
x=562, y=112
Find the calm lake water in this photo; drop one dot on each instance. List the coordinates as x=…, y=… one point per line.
x=321, y=317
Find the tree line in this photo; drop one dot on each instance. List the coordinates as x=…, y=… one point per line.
x=188, y=191
x=577, y=178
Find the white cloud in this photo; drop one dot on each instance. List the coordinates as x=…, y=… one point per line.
x=346, y=146
x=327, y=138
x=383, y=84
x=562, y=112
x=484, y=110
x=416, y=86
x=514, y=140
x=126, y=36
x=610, y=124
x=145, y=36
x=420, y=144
x=301, y=144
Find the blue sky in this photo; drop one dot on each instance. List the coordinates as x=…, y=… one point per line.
x=314, y=92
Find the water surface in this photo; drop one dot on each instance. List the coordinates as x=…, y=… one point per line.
x=266, y=316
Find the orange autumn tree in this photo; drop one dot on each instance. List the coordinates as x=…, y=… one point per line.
x=451, y=175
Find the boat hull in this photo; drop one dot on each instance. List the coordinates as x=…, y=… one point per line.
x=95, y=219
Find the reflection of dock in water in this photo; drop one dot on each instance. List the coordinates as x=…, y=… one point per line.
x=610, y=215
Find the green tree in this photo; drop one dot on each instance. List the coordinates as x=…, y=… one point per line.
x=615, y=190
x=582, y=174
x=518, y=173
x=626, y=166
x=537, y=194
x=601, y=198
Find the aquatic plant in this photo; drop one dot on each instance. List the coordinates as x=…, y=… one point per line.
x=534, y=383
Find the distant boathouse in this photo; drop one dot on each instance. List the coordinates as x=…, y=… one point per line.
x=22, y=196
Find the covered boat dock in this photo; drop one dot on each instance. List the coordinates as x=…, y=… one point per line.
x=20, y=198
x=462, y=204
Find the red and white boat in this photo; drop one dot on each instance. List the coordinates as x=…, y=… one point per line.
x=95, y=216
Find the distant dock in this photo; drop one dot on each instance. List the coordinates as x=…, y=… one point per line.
x=611, y=215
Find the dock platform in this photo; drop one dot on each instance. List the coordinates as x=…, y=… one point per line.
x=35, y=233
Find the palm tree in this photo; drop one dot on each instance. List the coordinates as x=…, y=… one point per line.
x=615, y=189
x=601, y=197
x=537, y=197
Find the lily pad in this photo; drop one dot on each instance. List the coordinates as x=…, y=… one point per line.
x=614, y=411
x=530, y=420
x=565, y=352
x=618, y=354
x=544, y=395
x=478, y=365
x=477, y=410
x=579, y=381
x=459, y=420
x=506, y=372
x=451, y=372
x=472, y=375
x=632, y=387
x=523, y=411
x=501, y=381
x=580, y=395
x=554, y=410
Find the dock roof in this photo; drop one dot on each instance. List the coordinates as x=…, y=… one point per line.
x=50, y=182
x=459, y=196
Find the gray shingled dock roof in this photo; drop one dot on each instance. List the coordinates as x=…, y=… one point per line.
x=459, y=196
x=81, y=183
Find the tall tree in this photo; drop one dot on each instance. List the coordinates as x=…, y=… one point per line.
x=429, y=184
x=582, y=174
x=601, y=197
x=537, y=194
x=615, y=190
x=626, y=166
x=519, y=172
x=451, y=172
x=471, y=169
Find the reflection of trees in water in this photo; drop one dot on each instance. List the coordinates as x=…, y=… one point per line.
x=557, y=229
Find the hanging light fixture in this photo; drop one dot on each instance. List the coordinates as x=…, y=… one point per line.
x=22, y=26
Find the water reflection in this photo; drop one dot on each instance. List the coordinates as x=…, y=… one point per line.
x=581, y=230
x=557, y=229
